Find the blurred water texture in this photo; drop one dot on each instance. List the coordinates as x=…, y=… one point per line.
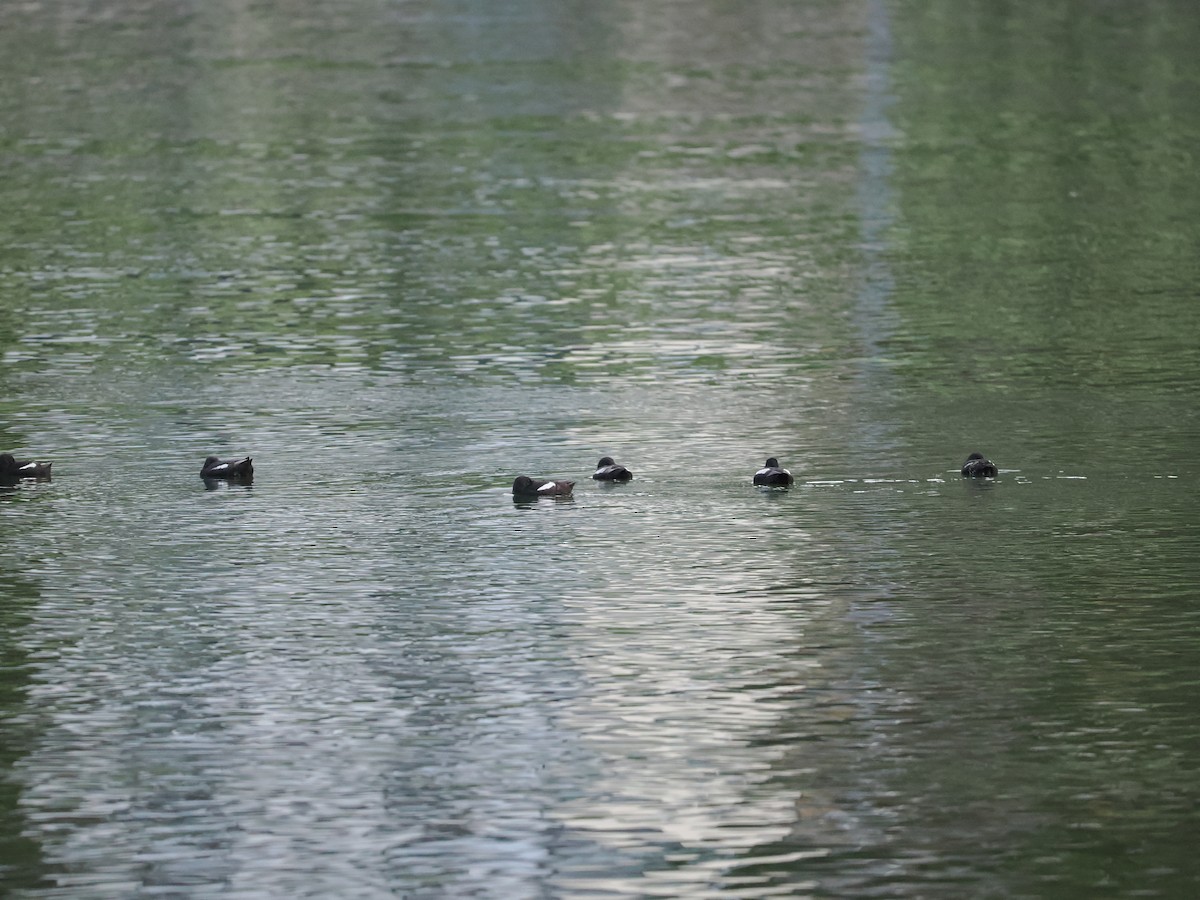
x=401, y=252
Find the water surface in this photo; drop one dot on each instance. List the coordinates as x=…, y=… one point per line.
x=402, y=252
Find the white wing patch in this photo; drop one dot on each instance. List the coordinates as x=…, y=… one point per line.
x=548, y=486
x=31, y=465
x=219, y=468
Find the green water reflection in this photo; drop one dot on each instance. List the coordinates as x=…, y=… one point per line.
x=1046, y=250
x=401, y=252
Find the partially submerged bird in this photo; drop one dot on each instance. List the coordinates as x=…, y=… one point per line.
x=608, y=470
x=773, y=474
x=979, y=466
x=22, y=468
x=524, y=486
x=227, y=468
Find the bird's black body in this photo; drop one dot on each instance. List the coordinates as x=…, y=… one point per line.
x=608, y=470
x=978, y=466
x=12, y=469
x=242, y=469
x=773, y=475
x=525, y=487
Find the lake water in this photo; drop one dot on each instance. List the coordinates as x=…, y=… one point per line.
x=401, y=252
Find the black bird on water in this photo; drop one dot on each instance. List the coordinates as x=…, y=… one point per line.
x=227, y=468
x=979, y=466
x=773, y=474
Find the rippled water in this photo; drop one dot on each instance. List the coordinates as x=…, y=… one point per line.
x=401, y=253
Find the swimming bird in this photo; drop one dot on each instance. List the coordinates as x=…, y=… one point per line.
x=524, y=486
x=228, y=468
x=608, y=470
x=773, y=474
x=22, y=468
x=979, y=466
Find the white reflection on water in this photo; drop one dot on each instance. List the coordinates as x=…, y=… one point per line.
x=395, y=678
x=374, y=674
x=278, y=688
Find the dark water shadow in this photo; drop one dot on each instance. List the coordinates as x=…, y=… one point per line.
x=13, y=487
x=535, y=502
x=22, y=864
x=227, y=484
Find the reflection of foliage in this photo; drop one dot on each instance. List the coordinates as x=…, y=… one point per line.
x=350, y=203
x=442, y=245
x=1044, y=195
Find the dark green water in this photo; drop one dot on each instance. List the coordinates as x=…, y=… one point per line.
x=403, y=251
